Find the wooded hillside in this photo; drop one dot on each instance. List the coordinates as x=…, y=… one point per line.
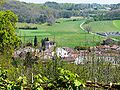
x=49, y=11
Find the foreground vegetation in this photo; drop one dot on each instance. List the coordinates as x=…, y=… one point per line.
x=57, y=74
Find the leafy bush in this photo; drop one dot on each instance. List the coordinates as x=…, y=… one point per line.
x=65, y=80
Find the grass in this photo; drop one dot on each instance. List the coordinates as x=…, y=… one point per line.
x=104, y=26
x=66, y=33
x=116, y=23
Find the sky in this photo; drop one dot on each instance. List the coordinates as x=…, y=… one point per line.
x=75, y=1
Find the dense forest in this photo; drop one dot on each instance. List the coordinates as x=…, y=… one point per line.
x=49, y=11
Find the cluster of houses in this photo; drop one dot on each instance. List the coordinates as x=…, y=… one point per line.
x=103, y=52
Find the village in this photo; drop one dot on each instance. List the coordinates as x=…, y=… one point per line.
x=109, y=53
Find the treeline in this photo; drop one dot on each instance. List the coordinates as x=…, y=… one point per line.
x=36, y=13
x=115, y=6
x=26, y=26
x=72, y=6
x=111, y=15
x=29, y=12
x=50, y=11
x=98, y=11
x=32, y=27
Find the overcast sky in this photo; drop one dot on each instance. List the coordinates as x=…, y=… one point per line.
x=76, y=1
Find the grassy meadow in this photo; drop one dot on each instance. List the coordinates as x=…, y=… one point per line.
x=116, y=23
x=105, y=26
x=65, y=33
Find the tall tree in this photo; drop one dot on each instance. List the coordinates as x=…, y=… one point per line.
x=8, y=39
x=35, y=41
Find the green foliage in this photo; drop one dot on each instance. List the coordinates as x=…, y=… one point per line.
x=30, y=13
x=51, y=75
x=8, y=40
x=112, y=15
x=65, y=79
x=89, y=20
x=5, y=84
x=109, y=15
x=35, y=41
x=38, y=81
x=41, y=13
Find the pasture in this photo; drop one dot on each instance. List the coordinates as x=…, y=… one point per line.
x=104, y=26
x=116, y=23
x=66, y=33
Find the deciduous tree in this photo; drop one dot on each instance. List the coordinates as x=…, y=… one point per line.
x=8, y=39
x=88, y=29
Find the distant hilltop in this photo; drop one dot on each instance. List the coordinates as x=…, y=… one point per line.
x=49, y=11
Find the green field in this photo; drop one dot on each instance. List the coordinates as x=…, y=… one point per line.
x=104, y=26
x=116, y=23
x=65, y=33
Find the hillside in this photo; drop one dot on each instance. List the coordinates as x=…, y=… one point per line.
x=117, y=24
x=103, y=26
x=36, y=13
x=63, y=33
x=29, y=12
x=109, y=28
x=49, y=11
